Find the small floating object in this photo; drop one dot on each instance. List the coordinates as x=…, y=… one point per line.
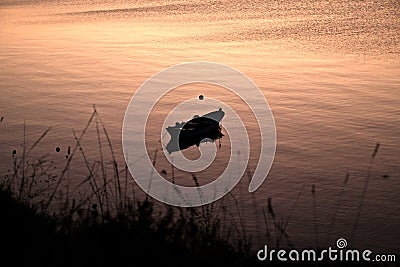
x=193, y=132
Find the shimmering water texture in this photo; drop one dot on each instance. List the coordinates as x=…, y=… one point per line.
x=329, y=70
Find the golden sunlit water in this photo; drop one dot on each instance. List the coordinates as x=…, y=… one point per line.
x=329, y=69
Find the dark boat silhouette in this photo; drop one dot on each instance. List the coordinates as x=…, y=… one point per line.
x=197, y=130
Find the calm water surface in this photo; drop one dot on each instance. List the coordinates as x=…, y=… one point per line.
x=330, y=71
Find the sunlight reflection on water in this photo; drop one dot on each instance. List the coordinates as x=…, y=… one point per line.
x=330, y=74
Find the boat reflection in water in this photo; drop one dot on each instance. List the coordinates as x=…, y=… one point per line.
x=198, y=130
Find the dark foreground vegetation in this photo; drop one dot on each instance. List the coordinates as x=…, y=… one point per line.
x=32, y=238
x=134, y=238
